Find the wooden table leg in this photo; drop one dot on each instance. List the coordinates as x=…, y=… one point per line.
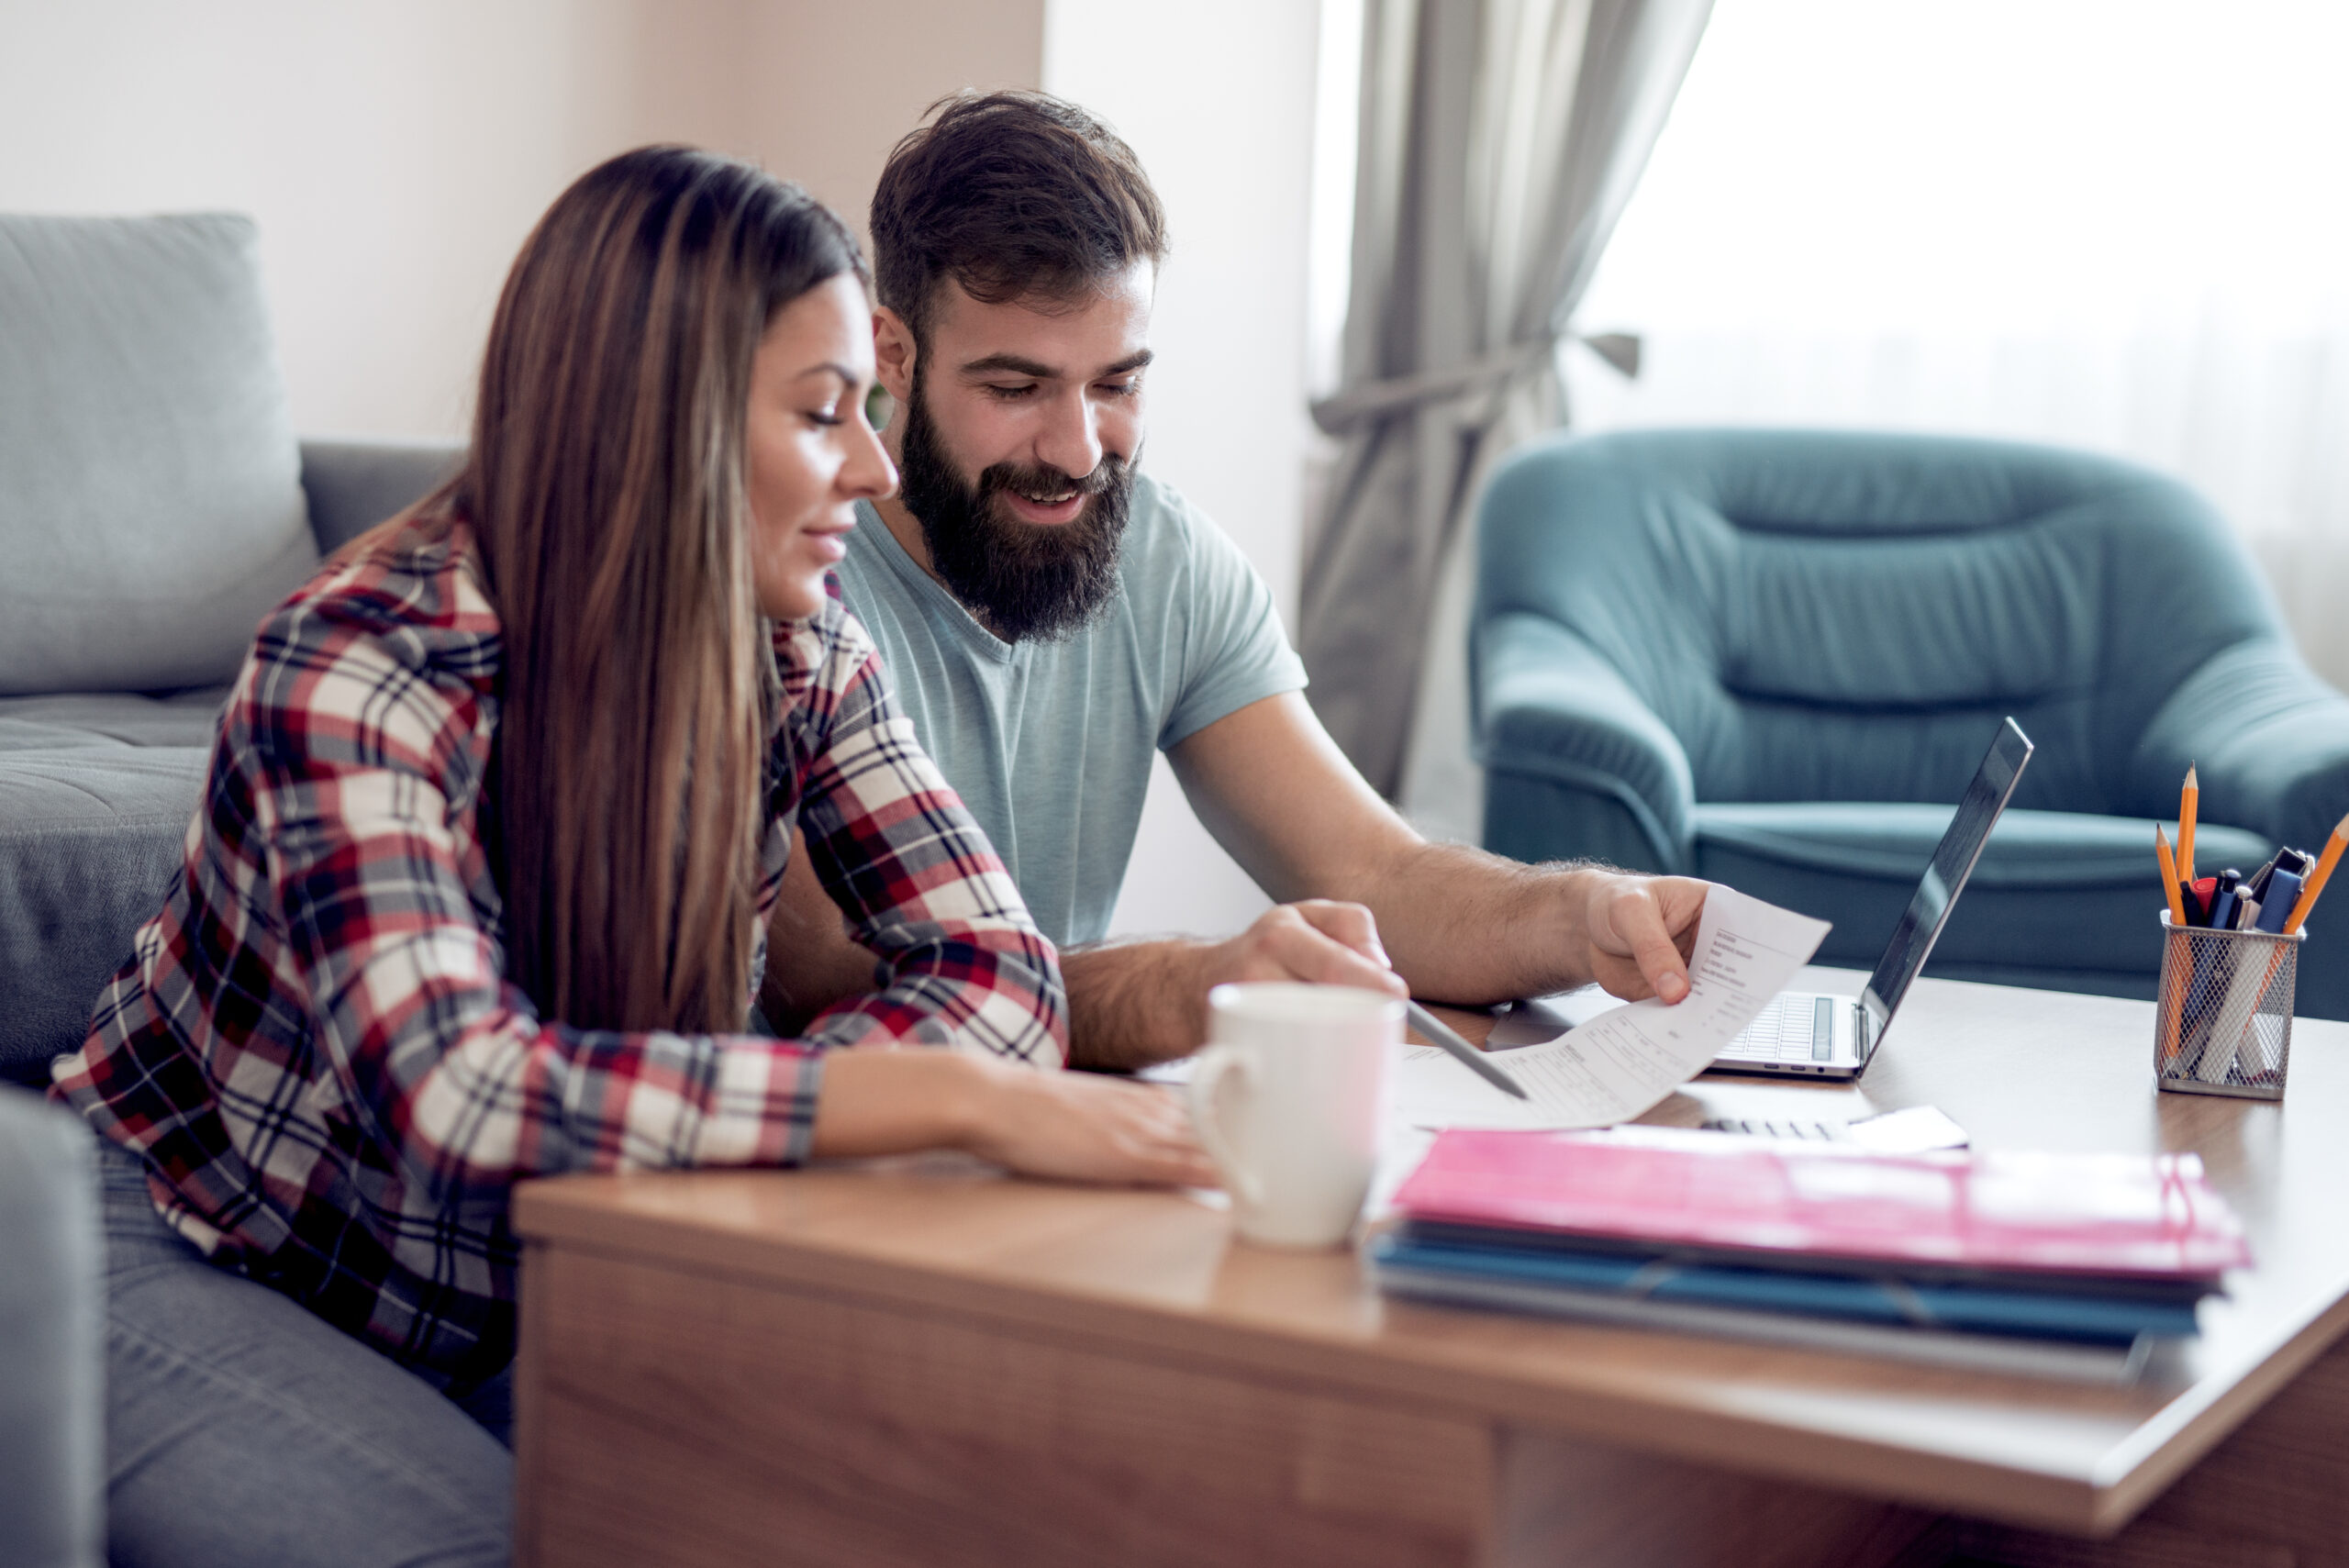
x=1565, y=1500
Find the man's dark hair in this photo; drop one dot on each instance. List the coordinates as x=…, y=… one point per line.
x=1013, y=196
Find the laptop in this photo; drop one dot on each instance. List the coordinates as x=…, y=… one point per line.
x=1812, y=1036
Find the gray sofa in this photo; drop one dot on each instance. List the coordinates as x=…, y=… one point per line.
x=154, y=505
x=97, y=787
x=52, y=1483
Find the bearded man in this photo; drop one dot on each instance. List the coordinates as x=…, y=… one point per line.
x=1051, y=617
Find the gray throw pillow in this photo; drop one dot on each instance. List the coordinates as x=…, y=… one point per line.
x=151, y=487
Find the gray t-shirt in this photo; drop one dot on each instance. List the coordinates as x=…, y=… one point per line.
x=1049, y=743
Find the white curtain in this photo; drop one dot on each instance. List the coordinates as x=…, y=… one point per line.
x=1501, y=140
x=2106, y=224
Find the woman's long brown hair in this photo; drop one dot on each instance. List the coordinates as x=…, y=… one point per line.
x=607, y=490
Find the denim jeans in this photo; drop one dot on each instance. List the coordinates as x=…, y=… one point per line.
x=243, y=1431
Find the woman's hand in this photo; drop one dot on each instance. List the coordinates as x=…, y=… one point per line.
x=1071, y=1127
x=1074, y=1127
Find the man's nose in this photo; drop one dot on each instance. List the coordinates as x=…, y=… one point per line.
x=1071, y=439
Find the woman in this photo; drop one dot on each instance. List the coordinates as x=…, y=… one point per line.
x=499, y=804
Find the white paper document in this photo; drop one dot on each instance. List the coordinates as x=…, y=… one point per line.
x=1621, y=1063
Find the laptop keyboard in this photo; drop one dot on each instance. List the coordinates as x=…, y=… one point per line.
x=1758, y=1127
x=1791, y=1028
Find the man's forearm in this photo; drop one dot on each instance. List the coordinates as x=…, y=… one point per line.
x=812, y=961
x=1466, y=925
x=1459, y=924
x=1132, y=1004
x=809, y=971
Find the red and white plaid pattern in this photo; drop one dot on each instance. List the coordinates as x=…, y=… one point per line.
x=314, y=1045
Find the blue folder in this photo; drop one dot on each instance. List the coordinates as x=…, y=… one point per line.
x=2086, y=1315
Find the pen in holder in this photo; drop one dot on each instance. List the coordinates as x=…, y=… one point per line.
x=2223, y=1020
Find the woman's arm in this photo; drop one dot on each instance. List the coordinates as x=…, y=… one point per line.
x=961, y=962
x=472, y=1090
x=354, y=789
x=1067, y=1125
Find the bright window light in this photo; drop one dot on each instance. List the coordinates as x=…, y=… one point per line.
x=2002, y=166
x=2117, y=226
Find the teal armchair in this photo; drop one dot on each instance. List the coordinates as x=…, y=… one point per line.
x=1772, y=659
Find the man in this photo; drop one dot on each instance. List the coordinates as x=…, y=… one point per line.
x=1050, y=615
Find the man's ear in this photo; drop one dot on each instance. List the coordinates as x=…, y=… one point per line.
x=893, y=354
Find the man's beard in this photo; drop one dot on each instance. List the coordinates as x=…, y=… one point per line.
x=1024, y=580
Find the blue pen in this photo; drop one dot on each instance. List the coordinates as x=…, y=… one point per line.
x=2223, y=901
x=2214, y=966
x=2283, y=892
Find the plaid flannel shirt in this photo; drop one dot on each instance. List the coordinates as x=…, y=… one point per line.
x=314, y=1046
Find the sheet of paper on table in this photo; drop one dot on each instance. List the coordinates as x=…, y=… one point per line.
x=1622, y=1061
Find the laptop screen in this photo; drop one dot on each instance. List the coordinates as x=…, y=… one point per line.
x=1952, y=862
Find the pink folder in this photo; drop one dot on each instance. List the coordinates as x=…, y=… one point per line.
x=2138, y=1215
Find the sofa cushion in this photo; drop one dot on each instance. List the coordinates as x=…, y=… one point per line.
x=85, y=721
x=2054, y=891
x=96, y=792
x=150, y=497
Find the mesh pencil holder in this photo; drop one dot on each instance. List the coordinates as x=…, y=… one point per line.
x=2223, y=1022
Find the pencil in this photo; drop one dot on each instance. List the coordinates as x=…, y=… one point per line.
x=2176, y=968
x=2188, y=799
x=1439, y=1035
x=2169, y=878
x=2175, y=965
x=2325, y=862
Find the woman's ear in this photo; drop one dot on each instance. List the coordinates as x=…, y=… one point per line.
x=893, y=354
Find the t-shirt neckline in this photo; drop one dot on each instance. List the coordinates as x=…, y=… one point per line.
x=934, y=594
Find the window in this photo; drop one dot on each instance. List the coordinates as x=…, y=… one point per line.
x=2120, y=225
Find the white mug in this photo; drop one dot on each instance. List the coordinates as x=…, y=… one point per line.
x=1287, y=1099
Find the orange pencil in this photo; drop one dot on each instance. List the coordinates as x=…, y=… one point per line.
x=2169, y=878
x=2175, y=968
x=2178, y=970
x=2188, y=799
x=2324, y=864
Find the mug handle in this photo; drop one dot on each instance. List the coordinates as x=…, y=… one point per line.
x=1216, y=1063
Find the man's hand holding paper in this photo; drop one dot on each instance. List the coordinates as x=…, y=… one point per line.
x=1621, y=1063
x=1643, y=934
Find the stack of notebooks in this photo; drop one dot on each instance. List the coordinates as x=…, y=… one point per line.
x=2078, y=1265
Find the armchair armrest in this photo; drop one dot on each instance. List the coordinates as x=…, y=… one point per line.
x=354, y=485
x=2270, y=744
x=1549, y=708
x=2268, y=739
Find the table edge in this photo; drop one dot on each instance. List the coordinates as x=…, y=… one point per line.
x=559, y=1213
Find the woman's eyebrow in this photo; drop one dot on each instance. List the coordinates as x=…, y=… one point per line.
x=847, y=377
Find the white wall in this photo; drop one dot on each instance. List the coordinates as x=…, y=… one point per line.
x=394, y=155
x=396, y=151
x=1216, y=97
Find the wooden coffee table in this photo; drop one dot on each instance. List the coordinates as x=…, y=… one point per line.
x=926, y=1363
